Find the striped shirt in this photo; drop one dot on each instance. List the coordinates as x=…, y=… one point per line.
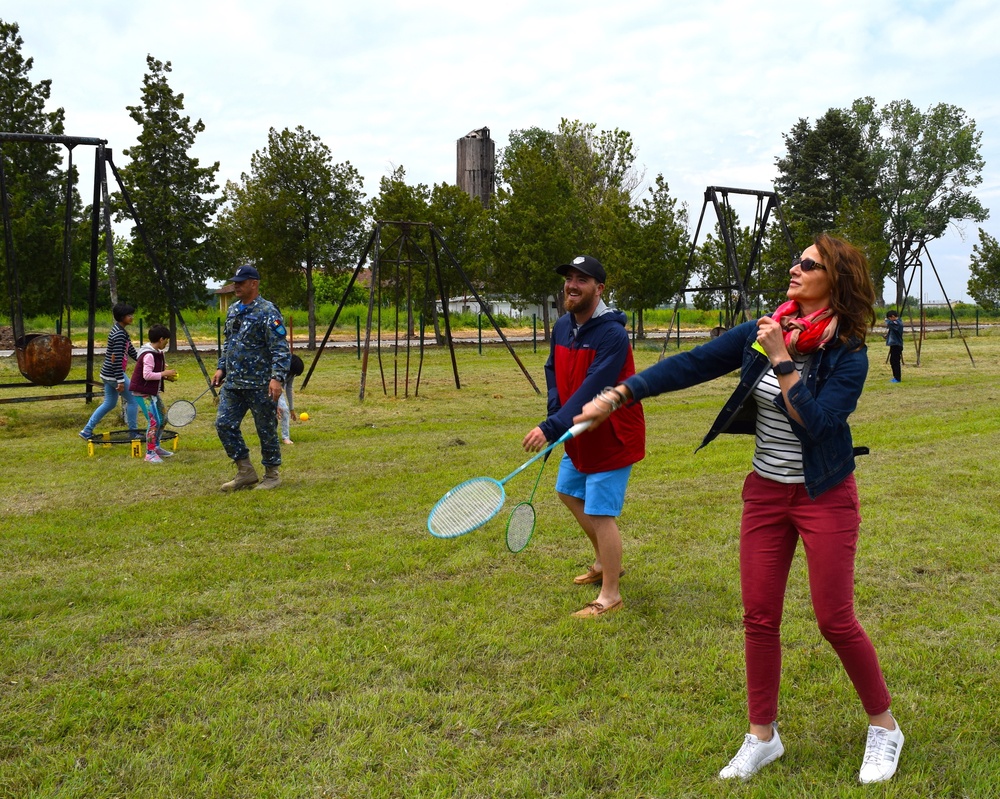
x=778, y=452
x=116, y=356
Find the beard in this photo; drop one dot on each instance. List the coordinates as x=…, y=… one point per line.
x=583, y=301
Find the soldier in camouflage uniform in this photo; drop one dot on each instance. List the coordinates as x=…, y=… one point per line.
x=252, y=369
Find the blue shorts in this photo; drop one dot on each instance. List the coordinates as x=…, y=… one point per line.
x=603, y=493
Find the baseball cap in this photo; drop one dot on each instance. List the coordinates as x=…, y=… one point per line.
x=245, y=272
x=587, y=265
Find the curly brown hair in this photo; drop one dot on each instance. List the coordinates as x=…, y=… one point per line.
x=852, y=294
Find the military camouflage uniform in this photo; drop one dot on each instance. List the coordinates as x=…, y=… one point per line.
x=254, y=352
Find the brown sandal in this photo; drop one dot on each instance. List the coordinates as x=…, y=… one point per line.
x=592, y=609
x=592, y=577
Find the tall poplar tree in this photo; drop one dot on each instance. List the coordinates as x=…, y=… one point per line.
x=35, y=182
x=175, y=200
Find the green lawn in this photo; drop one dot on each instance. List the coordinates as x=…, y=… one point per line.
x=161, y=639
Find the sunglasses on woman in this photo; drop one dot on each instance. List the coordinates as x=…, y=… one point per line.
x=808, y=264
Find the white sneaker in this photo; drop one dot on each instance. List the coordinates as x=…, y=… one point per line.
x=881, y=754
x=152, y=457
x=753, y=756
x=164, y=453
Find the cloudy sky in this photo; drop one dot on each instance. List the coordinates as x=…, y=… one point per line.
x=706, y=89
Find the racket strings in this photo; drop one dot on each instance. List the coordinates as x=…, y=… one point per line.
x=181, y=413
x=466, y=507
x=520, y=526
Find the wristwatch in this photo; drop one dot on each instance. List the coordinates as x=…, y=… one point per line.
x=784, y=367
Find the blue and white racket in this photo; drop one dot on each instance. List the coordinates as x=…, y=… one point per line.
x=471, y=504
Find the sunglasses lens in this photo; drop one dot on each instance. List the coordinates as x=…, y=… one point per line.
x=807, y=264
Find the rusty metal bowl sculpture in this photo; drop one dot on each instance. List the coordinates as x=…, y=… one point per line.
x=44, y=358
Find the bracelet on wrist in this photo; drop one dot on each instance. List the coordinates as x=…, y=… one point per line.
x=614, y=401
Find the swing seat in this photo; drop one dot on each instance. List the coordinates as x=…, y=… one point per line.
x=44, y=358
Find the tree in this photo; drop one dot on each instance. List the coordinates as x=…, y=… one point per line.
x=601, y=173
x=459, y=218
x=984, y=286
x=863, y=224
x=828, y=183
x=174, y=200
x=397, y=201
x=561, y=194
x=404, y=249
x=296, y=213
x=822, y=167
x=35, y=183
x=889, y=180
x=534, y=220
x=462, y=221
x=654, y=259
x=464, y=225
x=927, y=163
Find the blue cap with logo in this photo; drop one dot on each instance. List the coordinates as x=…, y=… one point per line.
x=245, y=272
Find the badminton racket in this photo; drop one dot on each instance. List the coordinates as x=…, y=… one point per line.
x=182, y=412
x=521, y=522
x=471, y=504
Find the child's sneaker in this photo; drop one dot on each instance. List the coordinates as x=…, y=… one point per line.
x=753, y=756
x=85, y=435
x=152, y=457
x=881, y=754
x=164, y=453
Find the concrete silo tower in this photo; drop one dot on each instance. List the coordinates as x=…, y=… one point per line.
x=477, y=165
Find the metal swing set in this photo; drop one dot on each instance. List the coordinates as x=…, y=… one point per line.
x=45, y=359
x=393, y=261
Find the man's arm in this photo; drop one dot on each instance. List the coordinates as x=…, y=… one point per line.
x=536, y=438
x=611, y=351
x=281, y=355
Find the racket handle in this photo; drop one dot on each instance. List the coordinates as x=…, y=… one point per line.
x=574, y=431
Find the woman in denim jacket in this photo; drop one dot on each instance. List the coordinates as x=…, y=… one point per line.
x=802, y=370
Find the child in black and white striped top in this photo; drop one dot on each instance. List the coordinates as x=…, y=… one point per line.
x=119, y=350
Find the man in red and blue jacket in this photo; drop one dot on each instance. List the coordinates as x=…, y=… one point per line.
x=590, y=351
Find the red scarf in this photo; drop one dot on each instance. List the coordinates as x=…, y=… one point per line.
x=805, y=334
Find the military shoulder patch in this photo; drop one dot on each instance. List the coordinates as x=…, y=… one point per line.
x=277, y=327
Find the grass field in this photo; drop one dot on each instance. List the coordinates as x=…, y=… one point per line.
x=161, y=639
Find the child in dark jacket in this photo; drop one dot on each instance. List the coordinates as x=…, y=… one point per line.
x=113, y=374
x=147, y=383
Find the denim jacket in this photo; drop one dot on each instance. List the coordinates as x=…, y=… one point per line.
x=825, y=396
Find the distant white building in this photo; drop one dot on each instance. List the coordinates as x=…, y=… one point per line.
x=467, y=303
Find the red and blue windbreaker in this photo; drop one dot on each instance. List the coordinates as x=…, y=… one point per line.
x=578, y=367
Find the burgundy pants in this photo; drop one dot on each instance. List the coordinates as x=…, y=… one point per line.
x=775, y=517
